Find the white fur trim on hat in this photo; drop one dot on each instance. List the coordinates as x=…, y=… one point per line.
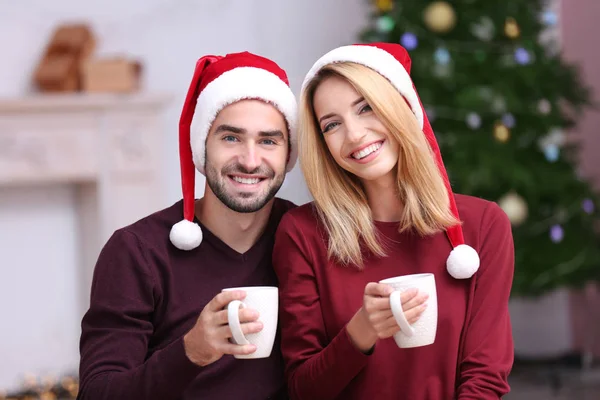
x=186, y=235
x=378, y=60
x=463, y=262
x=234, y=85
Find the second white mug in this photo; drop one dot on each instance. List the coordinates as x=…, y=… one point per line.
x=423, y=331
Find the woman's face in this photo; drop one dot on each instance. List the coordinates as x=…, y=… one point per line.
x=355, y=136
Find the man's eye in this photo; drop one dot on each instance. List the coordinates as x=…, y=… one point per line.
x=229, y=138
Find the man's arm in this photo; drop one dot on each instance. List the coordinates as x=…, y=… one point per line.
x=117, y=329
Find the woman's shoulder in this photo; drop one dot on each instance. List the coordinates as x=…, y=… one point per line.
x=479, y=215
x=303, y=219
x=303, y=214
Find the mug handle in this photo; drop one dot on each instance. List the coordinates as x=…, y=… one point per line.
x=233, y=318
x=399, y=316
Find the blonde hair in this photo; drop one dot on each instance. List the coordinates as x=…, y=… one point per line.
x=340, y=200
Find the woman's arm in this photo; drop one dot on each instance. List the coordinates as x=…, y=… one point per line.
x=317, y=366
x=488, y=352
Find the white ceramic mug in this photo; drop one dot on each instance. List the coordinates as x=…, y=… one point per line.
x=422, y=332
x=265, y=300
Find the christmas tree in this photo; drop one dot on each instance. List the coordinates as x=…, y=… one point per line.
x=501, y=100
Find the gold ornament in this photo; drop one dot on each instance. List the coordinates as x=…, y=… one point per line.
x=511, y=28
x=501, y=132
x=515, y=208
x=384, y=5
x=439, y=17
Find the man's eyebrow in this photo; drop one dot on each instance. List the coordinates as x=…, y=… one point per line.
x=229, y=128
x=271, y=133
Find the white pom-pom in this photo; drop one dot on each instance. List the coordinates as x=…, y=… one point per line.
x=186, y=235
x=462, y=262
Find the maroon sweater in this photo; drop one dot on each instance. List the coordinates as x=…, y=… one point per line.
x=146, y=294
x=473, y=350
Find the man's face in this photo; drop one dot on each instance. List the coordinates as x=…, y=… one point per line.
x=246, y=155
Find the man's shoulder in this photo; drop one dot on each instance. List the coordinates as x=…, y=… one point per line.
x=280, y=208
x=155, y=227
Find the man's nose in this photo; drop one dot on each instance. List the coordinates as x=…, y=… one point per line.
x=249, y=158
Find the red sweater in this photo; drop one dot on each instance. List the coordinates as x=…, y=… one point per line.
x=147, y=294
x=473, y=351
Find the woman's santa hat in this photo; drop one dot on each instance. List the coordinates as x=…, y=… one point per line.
x=219, y=81
x=393, y=62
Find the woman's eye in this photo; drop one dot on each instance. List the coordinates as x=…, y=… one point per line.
x=330, y=126
x=366, y=108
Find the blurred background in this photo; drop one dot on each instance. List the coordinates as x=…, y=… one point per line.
x=90, y=96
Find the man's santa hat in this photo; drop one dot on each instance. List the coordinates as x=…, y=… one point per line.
x=219, y=81
x=393, y=62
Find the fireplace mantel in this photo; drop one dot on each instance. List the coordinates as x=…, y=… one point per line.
x=108, y=147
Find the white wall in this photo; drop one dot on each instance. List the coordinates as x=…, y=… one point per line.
x=39, y=324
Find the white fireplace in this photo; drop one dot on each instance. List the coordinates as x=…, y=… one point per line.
x=108, y=151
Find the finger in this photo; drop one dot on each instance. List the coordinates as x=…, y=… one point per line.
x=373, y=304
x=389, y=332
x=250, y=327
x=222, y=299
x=413, y=315
x=245, y=315
x=380, y=316
x=387, y=324
x=415, y=301
x=237, y=350
x=408, y=295
x=378, y=289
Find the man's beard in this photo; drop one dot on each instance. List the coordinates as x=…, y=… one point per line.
x=242, y=202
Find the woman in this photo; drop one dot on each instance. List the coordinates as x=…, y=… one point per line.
x=383, y=207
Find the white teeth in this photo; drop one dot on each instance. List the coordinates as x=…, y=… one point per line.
x=366, y=151
x=246, y=181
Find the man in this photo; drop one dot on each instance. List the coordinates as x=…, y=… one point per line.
x=156, y=328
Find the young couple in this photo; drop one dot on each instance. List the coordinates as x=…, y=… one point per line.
x=383, y=207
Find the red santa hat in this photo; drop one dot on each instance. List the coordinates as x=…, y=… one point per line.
x=393, y=62
x=219, y=81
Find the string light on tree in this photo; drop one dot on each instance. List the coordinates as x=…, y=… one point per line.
x=515, y=208
x=498, y=104
x=385, y=24
x=501, y=132
x=554, y=138
x=484, y=29
x=522, y=56
x=409, y=41
x=557, y=233
x=384, y=6
x=511, y=28
x=544, y=107
x=549, y=18
x=473, y=120
x=588, y=206
x=509, y=120
x=441, y=56
x=439, y=17
x=551, y=152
